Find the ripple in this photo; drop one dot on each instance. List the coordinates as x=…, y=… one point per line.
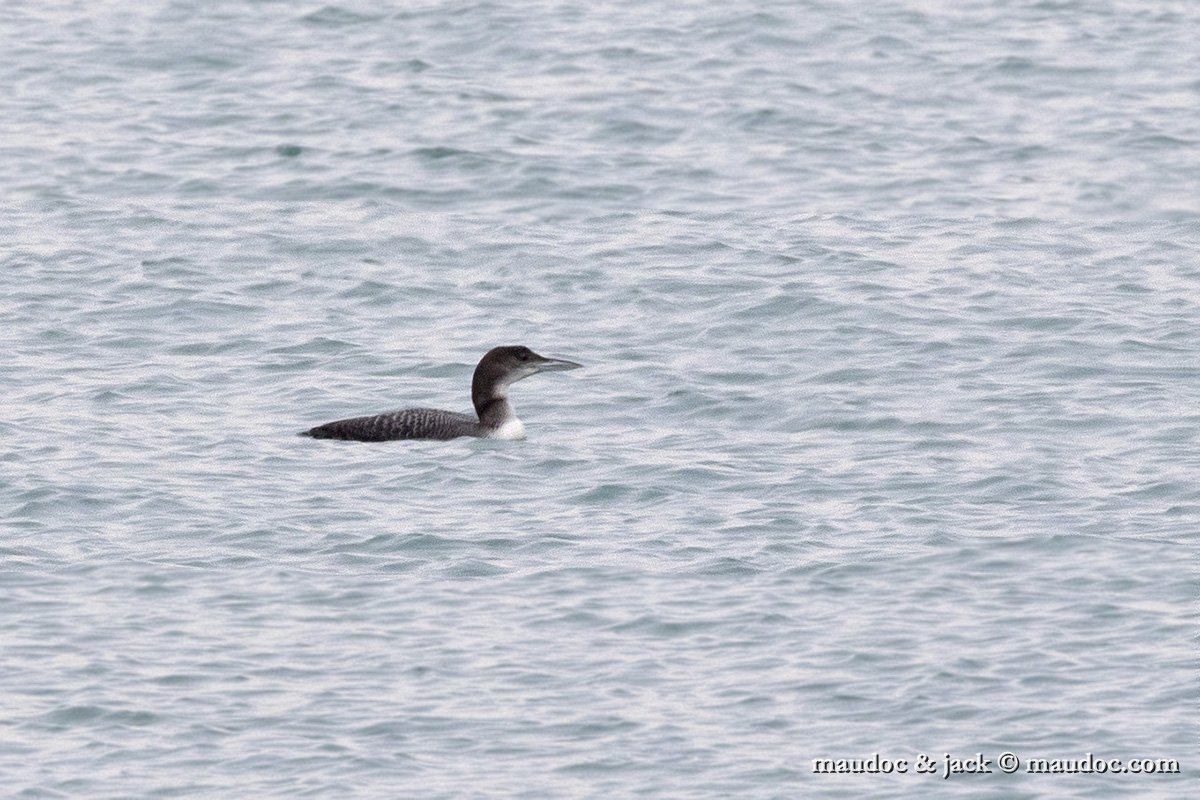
x=887, y=431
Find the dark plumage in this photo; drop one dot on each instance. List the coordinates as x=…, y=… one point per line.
x=411, y=423
x=499, y=368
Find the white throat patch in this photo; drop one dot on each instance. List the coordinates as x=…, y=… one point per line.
x=511, y=428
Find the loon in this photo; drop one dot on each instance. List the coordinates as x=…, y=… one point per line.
x=499, y=367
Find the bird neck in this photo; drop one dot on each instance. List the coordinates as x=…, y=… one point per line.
x=494, y=411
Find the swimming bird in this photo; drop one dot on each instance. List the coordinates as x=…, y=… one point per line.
x=499, y=368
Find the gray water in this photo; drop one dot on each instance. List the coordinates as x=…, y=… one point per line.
x=887, y=440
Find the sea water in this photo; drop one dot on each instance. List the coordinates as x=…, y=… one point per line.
x=885, y=449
